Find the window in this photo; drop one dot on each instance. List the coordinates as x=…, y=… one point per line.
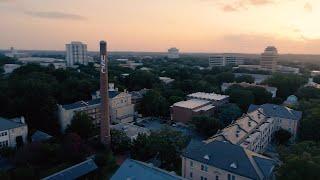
x=204, y=168
x=191, y=174
x=203, y=178
x=3, y=134
x=191, y=163
x=4, y=144
x=217, y=177
x=231, y=177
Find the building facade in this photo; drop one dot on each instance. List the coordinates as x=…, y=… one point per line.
x=184, y=111
x=13, y=132
x=222, y=160
x=269, y=59
x=225, y=60
x=120, y=107
x=173, y=53
x=76, y=53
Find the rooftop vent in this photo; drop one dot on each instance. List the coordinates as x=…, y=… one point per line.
x=206, y=157
x=234, y=165
x=274, y=107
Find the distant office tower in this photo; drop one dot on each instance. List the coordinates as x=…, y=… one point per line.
x=104, y=93
x=173, y=53
x=76, y=53
x=269, y=59
x=225, y=60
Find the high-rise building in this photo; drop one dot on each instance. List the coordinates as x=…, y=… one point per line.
x=104, y=93
x=173, y=53
x=269, y=59
x=225, y=60
x=76, y=53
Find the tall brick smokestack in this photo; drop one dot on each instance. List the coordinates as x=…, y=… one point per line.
x=104, y=93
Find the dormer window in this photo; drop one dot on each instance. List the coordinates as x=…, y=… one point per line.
x=234, y=165
x=249, y=123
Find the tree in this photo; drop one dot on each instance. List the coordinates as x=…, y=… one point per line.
x=205, y=125
x=74, y=148
x=120, y=142
x=165, y=145
x=244, y=78
x=226, y=77
x=81, y=124
x=24, y=173
x=316, y=79
x=287, y=84
x=229, y=113
x=174, y=99
x=282, y=136
x=310, y=123
x=261, y=95
x=308, y=93
x=300, y=161
x=154, y=104
x=142, y=79
x=243, y=98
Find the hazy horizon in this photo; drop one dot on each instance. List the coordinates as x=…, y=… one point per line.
x=193, y=26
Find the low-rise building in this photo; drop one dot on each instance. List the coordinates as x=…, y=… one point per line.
x=40, y=136
x=137, y=96
x=183, y=111
x=9, y=68
x=131, y=64
x=288, y=69
x=166, y=80
x=120, y=107
x=225, y=60
x=131, y=130
x=216, y=99
x=272, y=90
x=13, y=132
x=258, y=78
x=226, y=161
x=315, y=73
x=132, y=169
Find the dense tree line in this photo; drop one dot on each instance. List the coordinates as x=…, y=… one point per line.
x=33, y=91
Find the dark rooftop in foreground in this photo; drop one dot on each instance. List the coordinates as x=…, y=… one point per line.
x=132, y=169
x=6, y=124
x=74, y=172
x=230, y=157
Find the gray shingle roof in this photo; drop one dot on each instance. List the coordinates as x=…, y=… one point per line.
x=80, y=104
x=265, y=165
x=74, y=172
x=6, y=124
x=273, y=110
x=132, y=169
x=39, y=136
x=221, y=155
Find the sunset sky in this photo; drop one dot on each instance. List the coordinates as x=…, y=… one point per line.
x=246, y=26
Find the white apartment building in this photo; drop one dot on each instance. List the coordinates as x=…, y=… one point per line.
x=254, y=130
x=173, y=53
x=269, y=59
x=224, y=60
x=120, y=107
x=13, y=132
x=76, y=53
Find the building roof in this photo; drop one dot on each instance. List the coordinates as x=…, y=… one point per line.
x=131, y=130
x=273, y=110
x=75, y=171
x=81, y=104
x=6, y=124
x=208, y=96
x=39, y=136
x=191, y=104
x=229, y=157
x=132, y=169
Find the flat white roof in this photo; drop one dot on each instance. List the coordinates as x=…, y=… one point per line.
x=191, y=104
x=205, y=108
x=208, y=96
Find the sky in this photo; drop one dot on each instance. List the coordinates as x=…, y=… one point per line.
x=239, y=26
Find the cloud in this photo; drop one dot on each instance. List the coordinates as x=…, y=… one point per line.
x=54, y=15
x=308, y=7
x=237, y=5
